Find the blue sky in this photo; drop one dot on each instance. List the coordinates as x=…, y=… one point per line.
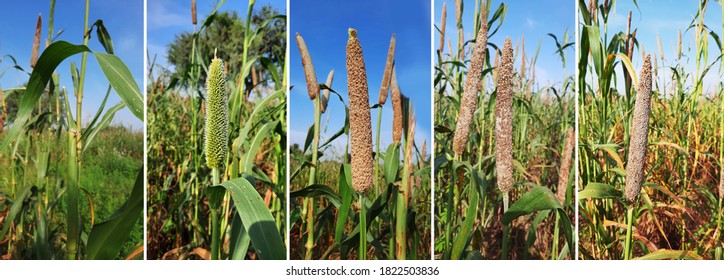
x=665, y=18
x=324, y=24
x=167, y=18
x=532, y=19
x=124, y=21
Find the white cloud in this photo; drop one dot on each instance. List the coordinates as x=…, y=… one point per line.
x=160, y=15
x=127, y=43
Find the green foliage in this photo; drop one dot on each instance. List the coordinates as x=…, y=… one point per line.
x=225, y=34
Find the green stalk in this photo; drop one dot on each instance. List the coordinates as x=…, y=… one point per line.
x=556, y=234
x=363, y=227
x=401, y=207
x=629, y=232
x=73, y=217
x=215, y=223
x=313, y=179
x=74, y=160
x=449, y=210
x=506, y=243
x=506, y=230
x=195, y=158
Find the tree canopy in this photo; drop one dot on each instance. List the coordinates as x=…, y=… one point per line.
x=225, y=34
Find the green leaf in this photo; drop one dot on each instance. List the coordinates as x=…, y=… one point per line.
x=107, y=118
x=239, y=239
x=43, y=71
x=106, y=238
x=15, y=209
x=539, y=199
x=464, y=234
x=345, y=192
x=103, y=36
x=599, y=190
x=392, y=163
x=121, y=79
x=250, y=153
x=536, y=199
x=315, y=191
x=256, y=218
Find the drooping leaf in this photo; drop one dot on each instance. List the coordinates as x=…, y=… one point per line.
x=106, y=238
x=121, y=79
x=256, y=218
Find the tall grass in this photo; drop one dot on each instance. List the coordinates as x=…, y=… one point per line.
x=47, y=218
x=390, y=221
x=506, y=131
x=217, y=162
x=647, y=147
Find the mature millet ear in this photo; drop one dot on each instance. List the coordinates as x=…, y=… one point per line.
x=504, y=121
x=388, y=70
x=309, y=74
x=217, y=120
x=443, y=19
x=359, y=116
x=470, y=91
x=396, y=108
x=565, y=171
x=193, y=12
x=36, y=42
x=325, y=92
x=639, y=134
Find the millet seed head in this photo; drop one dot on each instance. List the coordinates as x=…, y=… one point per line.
x=565, y=171
x=359, y=115
x=396, y=108
x=309, y=74
x=504, y=120
x=217, y=122
x=193, y=12
x=469, y=100
x=36, y=42
x=386, y=75
x=639, y=134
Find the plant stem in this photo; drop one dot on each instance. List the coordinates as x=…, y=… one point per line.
x=506, y=229
x=629, y=232
x=215, y=223
x=449, y=210
x=74, y=158
x=556, y=233
x=402, y=202
x=313, y=179
x=362, y=227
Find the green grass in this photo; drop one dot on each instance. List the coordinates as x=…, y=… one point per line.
x=112, y=163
